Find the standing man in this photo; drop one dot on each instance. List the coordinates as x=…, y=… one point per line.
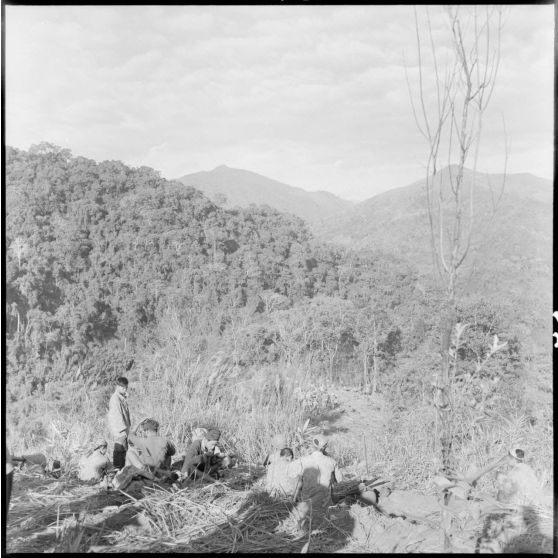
x=118, y=420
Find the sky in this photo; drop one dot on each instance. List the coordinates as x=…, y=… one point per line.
x=312, y=96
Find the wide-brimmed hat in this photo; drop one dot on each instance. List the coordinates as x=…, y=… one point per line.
x=319, y=441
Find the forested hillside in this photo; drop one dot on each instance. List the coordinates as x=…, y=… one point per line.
x=511, y=245
x=100, y=253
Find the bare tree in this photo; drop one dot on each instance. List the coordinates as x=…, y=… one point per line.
x=449, y=110
x=20, y=249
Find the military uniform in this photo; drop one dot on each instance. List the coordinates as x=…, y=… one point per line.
x=317, y=473
x=152, y=451
x=278, y=480
x=118, y=422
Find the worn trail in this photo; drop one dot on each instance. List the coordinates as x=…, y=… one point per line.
x=357, y=421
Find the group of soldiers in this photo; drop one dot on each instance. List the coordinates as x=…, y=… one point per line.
x=306, y=481
x=143, y=452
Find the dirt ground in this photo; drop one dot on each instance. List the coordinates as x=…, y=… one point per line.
x=45, y=516
x=356, y=420
x=358, y=414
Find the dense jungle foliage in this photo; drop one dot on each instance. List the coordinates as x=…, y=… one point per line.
x=105, y=262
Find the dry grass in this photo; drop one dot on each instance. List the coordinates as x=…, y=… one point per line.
x=247, y=422
x=62, y=516
x=217, y=518
x=409, y=448
x=249, y=412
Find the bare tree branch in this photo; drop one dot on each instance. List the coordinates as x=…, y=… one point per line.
x=455, y=124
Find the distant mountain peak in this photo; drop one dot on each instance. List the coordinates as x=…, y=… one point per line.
x=243, y=187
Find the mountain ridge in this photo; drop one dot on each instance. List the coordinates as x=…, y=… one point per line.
x=242, y=187
x=511, y=249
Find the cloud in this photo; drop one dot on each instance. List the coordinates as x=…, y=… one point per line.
x=311, y=95
x=192, y=20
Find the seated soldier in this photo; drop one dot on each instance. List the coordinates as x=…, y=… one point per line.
x=278, y=481
x=32, y=462
x=94, y=465
x=151, y=451
x=315, y=474
x=203, y=457
x=520, y=485
x=39, y=463
x=279, y=443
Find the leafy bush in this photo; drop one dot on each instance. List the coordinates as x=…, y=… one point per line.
x=316, y=399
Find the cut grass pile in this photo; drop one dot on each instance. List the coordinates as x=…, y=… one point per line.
x=236, y=515
x=226, y=516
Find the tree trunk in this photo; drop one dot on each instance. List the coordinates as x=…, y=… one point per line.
x=445, y=407
x=375, y=361
x=365, y=370
x=375, y=373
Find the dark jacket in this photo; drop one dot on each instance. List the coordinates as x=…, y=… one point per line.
x=154, y=451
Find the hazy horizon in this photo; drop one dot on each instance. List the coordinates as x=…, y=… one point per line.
x=355, y=200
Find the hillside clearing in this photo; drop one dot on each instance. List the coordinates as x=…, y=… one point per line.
x=230, y=515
